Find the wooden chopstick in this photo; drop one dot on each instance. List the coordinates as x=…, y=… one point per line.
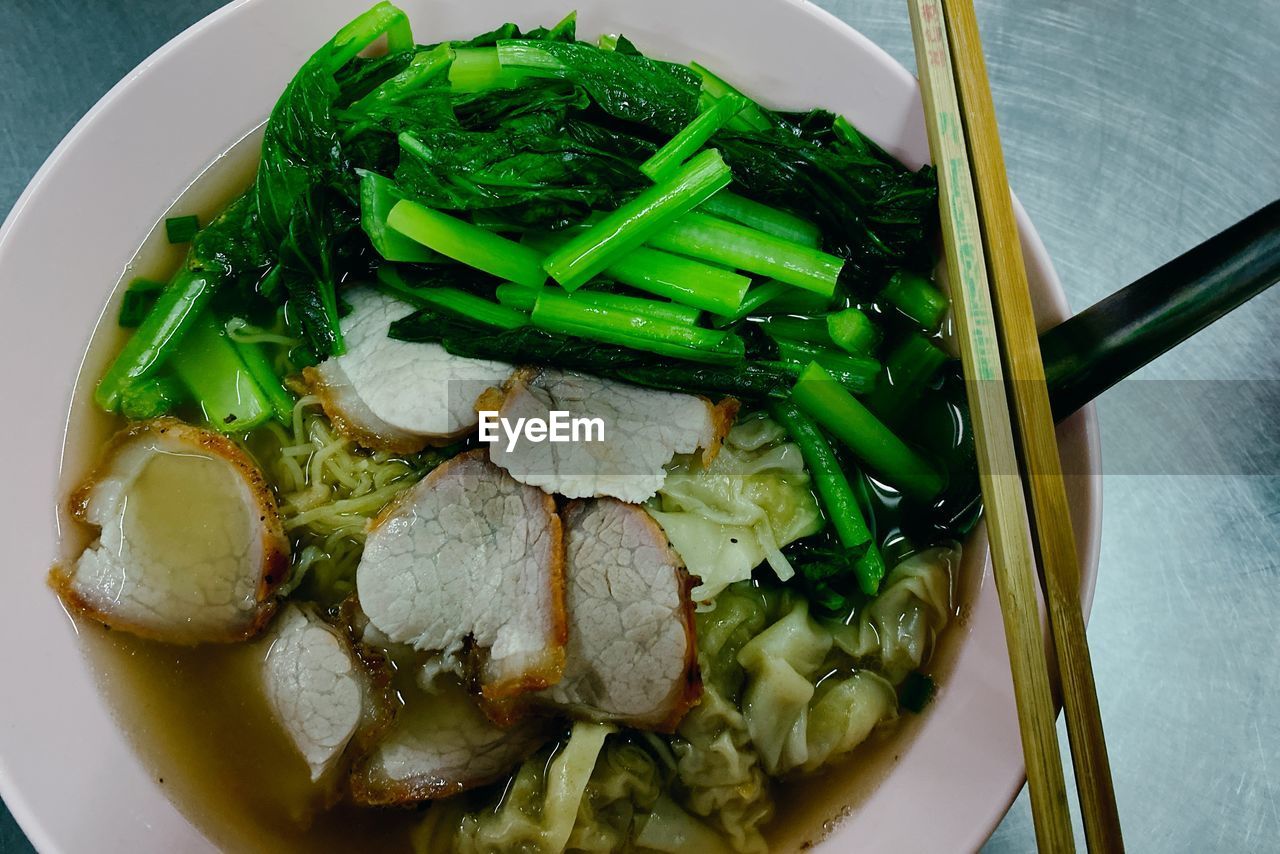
x=1024, y=368
x=1002, y=489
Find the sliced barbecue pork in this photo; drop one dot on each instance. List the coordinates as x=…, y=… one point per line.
x=643, y=429
x=190, y=546
x=397, y=395
x=469, y=560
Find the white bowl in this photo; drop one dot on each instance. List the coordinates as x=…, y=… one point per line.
x=67, y=771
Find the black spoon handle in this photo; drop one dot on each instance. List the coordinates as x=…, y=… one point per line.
x=1089, y=353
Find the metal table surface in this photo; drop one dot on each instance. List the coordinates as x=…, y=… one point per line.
x=1132, y=131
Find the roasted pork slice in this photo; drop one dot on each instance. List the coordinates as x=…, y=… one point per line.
x=632, y=653
x=469, y=560
x=321, y=690
x=190, y=547
x=642, y=429
x=397, y=395
x=439, y=745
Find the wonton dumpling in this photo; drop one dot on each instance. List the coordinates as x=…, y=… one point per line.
x=190, y=547
x=781, y=664
x=898, y=627
x=397, y=395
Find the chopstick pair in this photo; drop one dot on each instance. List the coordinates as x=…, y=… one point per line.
x=1001, y=356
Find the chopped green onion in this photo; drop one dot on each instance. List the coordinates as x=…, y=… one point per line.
x=425, y=66
x=829, y=479
x=853, y=331
x=137, y=301
x=916, y=692
x=744, y=211
x=181, y=229
x=692, y=137
x=917, y=298
x=827, y=402
x=718, y=241
x=143, y=354
x=467, y=243
x=377, y=198
x=558, y=313
x=617, y=233
x=209, y=365
x=454, y=300
x=908, y=370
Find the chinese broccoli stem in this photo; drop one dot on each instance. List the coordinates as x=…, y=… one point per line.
x=917, y=298
x=560, y=314
x=453, y=300
x=749, y=118
x=908, y=369
x=523, y=297
x=477, y=69
x=259, y=365
x=858, y=373
x=467, y=243
x=733, y=245
x=525, y=56
x=382, y=18
x=377, y=198
x=774, y=296
x=692, y=137
x=675, y=277
x=210, y=367
x=617, y=233
x=154, y=341
x=151, y=398
x=829, y=479
x=870, y=569
x=852, y=331
x=875, y=445
x=425, y=66
x=731, y=206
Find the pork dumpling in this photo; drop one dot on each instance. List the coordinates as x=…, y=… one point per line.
x=190, y=547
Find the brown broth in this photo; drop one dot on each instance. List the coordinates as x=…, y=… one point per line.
x=198, y=720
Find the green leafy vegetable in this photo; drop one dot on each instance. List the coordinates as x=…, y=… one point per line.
x=590, y=251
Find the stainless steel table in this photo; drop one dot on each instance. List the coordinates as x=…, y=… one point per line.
x=1133, y=131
